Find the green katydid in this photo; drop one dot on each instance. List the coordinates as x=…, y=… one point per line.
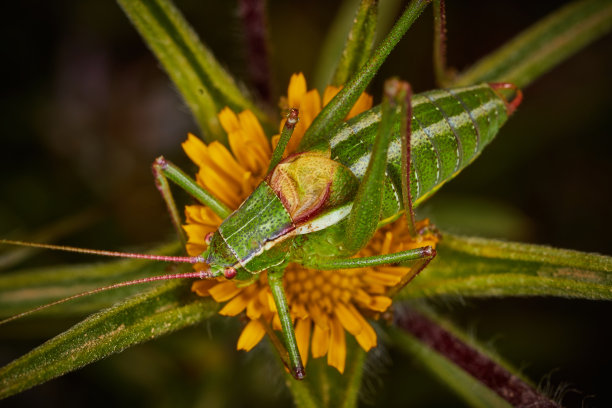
x=322, y=205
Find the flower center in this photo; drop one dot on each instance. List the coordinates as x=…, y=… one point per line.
x=325, y=288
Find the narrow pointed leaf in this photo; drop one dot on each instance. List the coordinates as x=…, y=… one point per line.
x=336, y=36
x=162, y=310
x=333, y=44
x=359, y=43
x=468, y=266
x=543, y=45
x=205, y=86
x=27, y=289
x=325, y=387
x=335, y=111
x=353, y=376
x=302, y=392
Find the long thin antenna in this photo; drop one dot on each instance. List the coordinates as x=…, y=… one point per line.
x=204, y=274
x=183, y=259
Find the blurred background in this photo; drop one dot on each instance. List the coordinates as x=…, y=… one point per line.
x=85, y=109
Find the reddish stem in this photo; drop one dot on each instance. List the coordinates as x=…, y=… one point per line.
x=478, y=365
x=252, y=13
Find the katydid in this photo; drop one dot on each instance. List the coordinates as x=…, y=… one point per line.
x=320, y=206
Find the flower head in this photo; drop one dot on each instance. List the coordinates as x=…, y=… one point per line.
x=323, y=304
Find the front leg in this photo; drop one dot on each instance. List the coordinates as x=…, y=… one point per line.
x=163, y=171
x=275, y=280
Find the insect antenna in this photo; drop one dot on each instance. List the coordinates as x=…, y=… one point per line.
x=163, y=258
x=202, y=274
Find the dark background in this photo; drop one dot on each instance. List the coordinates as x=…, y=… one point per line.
x=85, y=109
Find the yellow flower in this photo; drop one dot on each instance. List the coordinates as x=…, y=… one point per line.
x=323, y=304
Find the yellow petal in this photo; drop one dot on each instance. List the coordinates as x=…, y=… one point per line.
x=195, y=149
x=251, y=126
x=386, y=243
x=296, y=89
x=220, y=188
x=374, y=278
x=201, y=287
x=302, y=335
x=276, y=324
x=320, y=341
x=203, y=216
x=329, y=93
x=363, y=103
x=254, y=309
x=235, y=306
x=379, y=303
x=228, y=119
x=346, y=316
x=367, y=337
x=320, y=318
x=224, y=291
x=298, y=309
x=251, y=335
x=223, y=161
x=310, y=107
x=194, y=249
x=336, y=355
x=195, y=233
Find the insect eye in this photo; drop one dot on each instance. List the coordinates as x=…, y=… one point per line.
x=229, y=272
x=208, y=238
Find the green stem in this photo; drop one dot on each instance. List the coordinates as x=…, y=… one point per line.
x=335, y=111
x=303, y=396
x=543, y=45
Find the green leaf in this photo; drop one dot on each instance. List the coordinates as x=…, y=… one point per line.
x=333, y=44
x=324, y=386
x=205, y=86
x=338, y=32
x=335, y=111
x=543, y=46
x=359, y=43
x=161, y=310
x=467, y=266
x=27, y=289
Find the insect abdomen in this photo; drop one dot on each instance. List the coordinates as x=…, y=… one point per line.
x=449, y=129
